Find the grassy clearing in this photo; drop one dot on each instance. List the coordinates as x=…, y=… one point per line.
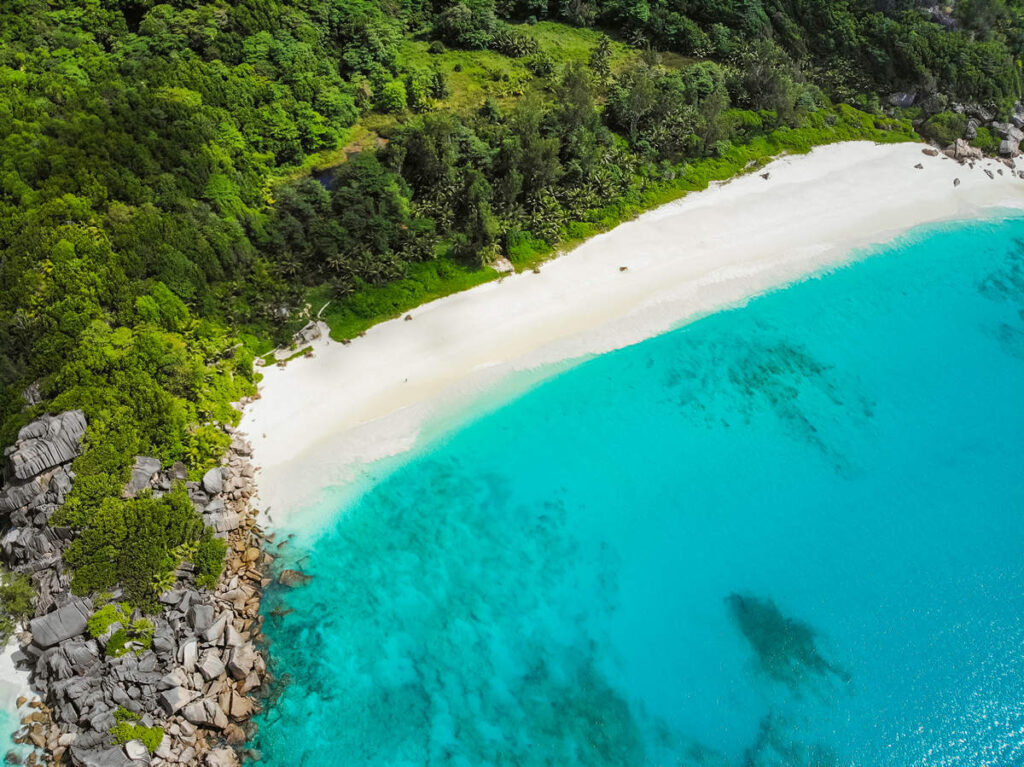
x=475, y=76
x=357, y=139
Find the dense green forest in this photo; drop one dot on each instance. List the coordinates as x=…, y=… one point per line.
x=178, y=180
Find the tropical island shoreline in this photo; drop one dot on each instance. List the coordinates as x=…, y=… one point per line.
x=317, y=421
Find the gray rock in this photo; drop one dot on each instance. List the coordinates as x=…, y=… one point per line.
x=163, y=751
x=200, y=617
x=905, y=99
x=46, y=442
x=18, y=494
x=142, y=472
x=982, y=113
x=174, y=699
x=210, y=665
x=81, y=654
x=213, y=634
x=1009, y=147
x=106, y=757
x=32, y=395
x=223, y=522
x=67, y=622
x=188, y=652
x=241, y=661
x=213, y=481
x=136, y=749
x=177, y=677
x=231, y=636
x=961, y=150
x=1009, y=131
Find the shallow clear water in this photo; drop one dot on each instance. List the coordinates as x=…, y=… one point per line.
x=787, y=534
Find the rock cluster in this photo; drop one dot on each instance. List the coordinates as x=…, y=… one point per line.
x=197, y=679
x=961, y=150
x=1010, y=133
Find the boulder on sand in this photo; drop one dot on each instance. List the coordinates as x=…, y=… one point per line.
x=961, y=150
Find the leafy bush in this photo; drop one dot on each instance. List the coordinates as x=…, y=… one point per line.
x=137, y=632
x=510, y=42
x=209, y=560
x=106, y=616
x=17, y=597
x=986, y=140
x=944, y=127
x=127, y=727
x=393, y=97
x=132, y=541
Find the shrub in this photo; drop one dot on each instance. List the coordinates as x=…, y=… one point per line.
x=513, y=43
x=106, y=616
x=393, y=97
x=987, y=141
x=541, y=65
x=944, y=127
x=134, y=542
x=209, y=560
x=127, y=728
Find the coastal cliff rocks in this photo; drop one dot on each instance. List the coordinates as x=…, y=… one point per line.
x=66, y=623
x=193, y=676
x=46, y=442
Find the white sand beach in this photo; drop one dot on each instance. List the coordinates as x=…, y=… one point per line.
x=319, y=419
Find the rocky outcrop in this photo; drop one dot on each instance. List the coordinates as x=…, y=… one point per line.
x=66, y=623
x=45, y=443
x=196, y=678
x=961, y=150
x=903, y=99
x=309, y=333
x=1010, y=136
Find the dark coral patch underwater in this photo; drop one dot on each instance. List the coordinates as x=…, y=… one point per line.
x=785, y=649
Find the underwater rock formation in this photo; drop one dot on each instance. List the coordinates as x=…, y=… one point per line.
x=785, y=648
x=763, y=372
x=778, y=745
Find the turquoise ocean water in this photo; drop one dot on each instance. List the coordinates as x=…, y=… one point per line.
x=790, y=533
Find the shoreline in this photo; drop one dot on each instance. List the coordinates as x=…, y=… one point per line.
x=357, y=403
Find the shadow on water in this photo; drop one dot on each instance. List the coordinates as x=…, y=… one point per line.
x=785, y=649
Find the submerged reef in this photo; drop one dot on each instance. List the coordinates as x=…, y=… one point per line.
x=1006, y=284
x=747, y=374
x=777, y=745
x=785, y=649
x=436, y=632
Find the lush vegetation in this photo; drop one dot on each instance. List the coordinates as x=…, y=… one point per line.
x=16, y=602
x=127, y=632
x=181, y=181
x=127, y=727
